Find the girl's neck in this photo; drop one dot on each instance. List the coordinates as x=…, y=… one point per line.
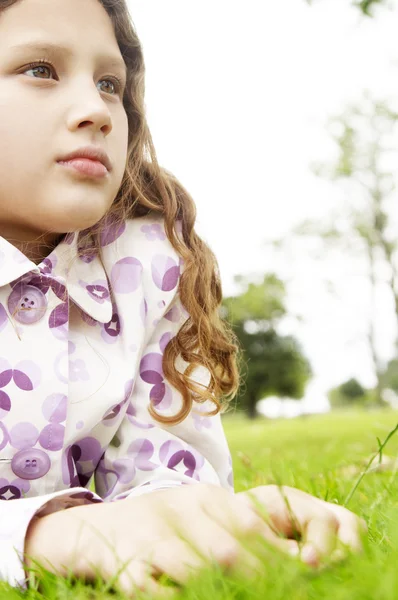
x=35, y=248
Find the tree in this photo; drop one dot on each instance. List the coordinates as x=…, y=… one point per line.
x=367, y=7
x=390, y=376
x=352, y=389
x=362, y=152
x=351, y=393
x=273, y=364
x=365, y=227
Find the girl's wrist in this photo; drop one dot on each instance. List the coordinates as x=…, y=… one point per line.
x=48, y=542
x=63, y=541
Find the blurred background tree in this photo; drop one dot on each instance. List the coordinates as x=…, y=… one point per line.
x=373, y=229
x=349, y=394
x=272, y=364
x=367, y=7
x=366, y=228
x=275, y=364
x=390, y=376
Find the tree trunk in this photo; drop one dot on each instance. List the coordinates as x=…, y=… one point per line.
x=251, y=407
x=372, y=326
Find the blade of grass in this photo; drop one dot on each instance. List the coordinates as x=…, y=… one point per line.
x=362, y=475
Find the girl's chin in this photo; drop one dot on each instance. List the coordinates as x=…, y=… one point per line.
x=73, y=219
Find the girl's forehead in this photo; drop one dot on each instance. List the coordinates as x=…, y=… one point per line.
x=76, y=20
x=60, y=29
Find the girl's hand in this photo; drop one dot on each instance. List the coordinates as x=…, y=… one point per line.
x=178, y=531
x=160, y=532
x=320, y=525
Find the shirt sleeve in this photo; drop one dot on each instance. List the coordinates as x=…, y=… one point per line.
x=146, y=455
x=15, y=517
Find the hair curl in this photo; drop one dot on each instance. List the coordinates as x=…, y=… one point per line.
x=204, y=340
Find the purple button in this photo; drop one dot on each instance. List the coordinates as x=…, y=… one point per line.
x=27, y=304
x=31, y=463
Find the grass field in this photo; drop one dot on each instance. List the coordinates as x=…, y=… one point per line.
x=322, y=455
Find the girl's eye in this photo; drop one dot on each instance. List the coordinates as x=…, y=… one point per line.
x=117, y=84
x=35, y=67
x=41, y=67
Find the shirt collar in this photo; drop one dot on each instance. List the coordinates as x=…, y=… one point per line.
x=85, y=278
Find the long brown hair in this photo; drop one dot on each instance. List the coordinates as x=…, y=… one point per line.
x=204, y=340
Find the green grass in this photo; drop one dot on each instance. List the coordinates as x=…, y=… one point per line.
x=312, y=453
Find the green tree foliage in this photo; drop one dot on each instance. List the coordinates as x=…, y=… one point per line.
x=348, y=393
x=262, y=302
x=272, y=364
x=367, y=7
x=390, y=376
x=352, y=389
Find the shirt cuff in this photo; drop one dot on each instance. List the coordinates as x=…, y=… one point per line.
x=153, y=486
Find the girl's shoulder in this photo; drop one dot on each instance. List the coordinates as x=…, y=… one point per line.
x=141, y=244
x=141, y=235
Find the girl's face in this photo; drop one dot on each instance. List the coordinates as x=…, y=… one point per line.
x=49, y=111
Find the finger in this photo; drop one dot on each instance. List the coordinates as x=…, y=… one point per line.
x=319, y=538
x=137, y=578
x=248, y=527
x=175, y=559
x=260, y=536
x=293, y=511
x=351, y=528
x=207, y=546
x=274, y=505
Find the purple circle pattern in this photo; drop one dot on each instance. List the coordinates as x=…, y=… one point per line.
x=79, y=461
x=81, y=458
x=165, y=272
x=151, y=371
x=126, y=275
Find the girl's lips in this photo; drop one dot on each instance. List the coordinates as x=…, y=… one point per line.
x=85, y=166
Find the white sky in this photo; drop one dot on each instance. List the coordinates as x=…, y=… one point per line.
x=238, y=94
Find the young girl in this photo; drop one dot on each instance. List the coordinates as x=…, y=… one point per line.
x=114, y=363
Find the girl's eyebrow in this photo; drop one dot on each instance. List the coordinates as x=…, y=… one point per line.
x=56, y=50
